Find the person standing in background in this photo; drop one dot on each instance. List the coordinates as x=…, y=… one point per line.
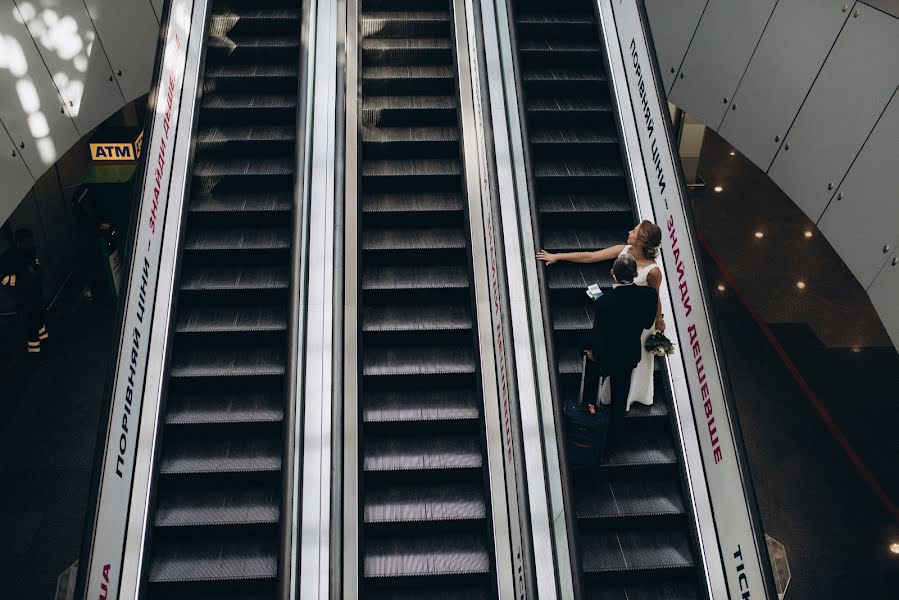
x=20, y=273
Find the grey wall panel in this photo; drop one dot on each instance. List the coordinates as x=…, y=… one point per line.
x=673, y=25
x=65, y=37
x=157, y=7
x=14, y=175
x=849, y=95
x=884, y=293
x=30, y=105
x=887, y=6
x=724, y=42
x=863, y=219
x=790, y=53
x=130, y=42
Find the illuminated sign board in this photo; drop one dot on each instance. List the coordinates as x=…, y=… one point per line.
x=102, y=150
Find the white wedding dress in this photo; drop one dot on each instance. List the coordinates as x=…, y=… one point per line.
x=642, y=380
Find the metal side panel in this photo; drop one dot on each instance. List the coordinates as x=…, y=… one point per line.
x=15, y=175
x=862, y=221
x=141, y=347
x=849, y=95
x=314, y=520
x=673, y=25
x=699, y=383
x=724, y=42
x=495, y=389
x=138, y=513
x=780, y=74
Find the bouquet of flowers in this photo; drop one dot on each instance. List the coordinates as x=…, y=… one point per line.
x=659, y=345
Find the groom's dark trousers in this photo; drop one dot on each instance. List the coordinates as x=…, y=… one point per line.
x=620, y=382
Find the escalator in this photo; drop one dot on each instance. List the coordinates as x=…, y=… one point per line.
x=425, y=526
x=215, y=520
x=633, y=534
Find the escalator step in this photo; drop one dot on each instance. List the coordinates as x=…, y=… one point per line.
x=421, y=556
x=574, y=239
x=198, y=562
x=405, y=23
x=186, y=457
x=644, y=552
x=413, y=239
x=412, y=168
x=576, y=205
x=223, y=407
x=227, y=138
x=227, y=364
x=223, y=167
x=561, y=74
x=420, y=504
x=405, y=203
x=578, y=277
x=244, y=240
x=657, y=590
x=416, y=318
x=232, y=320
x=554, y=19
x=416, y=454
x=257, y=505
x=616, y=499
x=425, y=360
x=419, y=406
x=242, y=205
x=234, y=279
x=573, y=168
x=421, y=277
x=419, y=135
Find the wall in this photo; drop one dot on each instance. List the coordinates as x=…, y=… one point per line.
x=65, y=66
x=807, y=90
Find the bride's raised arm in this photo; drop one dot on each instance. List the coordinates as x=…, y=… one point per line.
x=581, y=257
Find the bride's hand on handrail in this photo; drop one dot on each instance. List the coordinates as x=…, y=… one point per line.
x=547, y=257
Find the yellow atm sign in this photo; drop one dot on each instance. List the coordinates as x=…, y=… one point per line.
x=116, y=151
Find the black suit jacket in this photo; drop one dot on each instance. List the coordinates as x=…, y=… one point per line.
x=621, y=316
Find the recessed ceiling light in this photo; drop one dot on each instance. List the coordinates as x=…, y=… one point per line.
x=894, y=547
x=759, y=234
x=808, y=233
x=800, y=284
x=857, y=349
x=721, y=287
x=732, y=153
x=719, y=189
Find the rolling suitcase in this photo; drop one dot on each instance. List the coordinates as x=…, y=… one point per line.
x=586, y=427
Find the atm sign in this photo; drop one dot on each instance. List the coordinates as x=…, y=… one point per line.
x=116, y=151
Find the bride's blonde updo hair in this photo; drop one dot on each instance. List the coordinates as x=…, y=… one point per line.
x=649, y=238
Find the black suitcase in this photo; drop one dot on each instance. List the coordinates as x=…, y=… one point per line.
x=586, y=427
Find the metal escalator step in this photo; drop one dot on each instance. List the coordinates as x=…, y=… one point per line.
x=421, y=135
x=561, y=74
x=407, y=72
x=411, y=203
x=253, y=77
x=683, y=589
x=227, y=138
x=371, y=43
x=579, y=104
x=434, y=453
x=413, y=239
x=236, y=167
x=435, y=360
x=234, y=279
x=578, y=239
x=417, y=277
x=242, y=204
x=577, y=205
x=248, y=101
x=636, y=552
x=419, y=406
x=578, y=277
x=573, y=168
x=577, y=136
x=408, y=103
x=231, y=319
x=572, y=317
x=237, y=239
x=405, y=23
x=249, y=40
x=252, y=48
x=218, y=506
x=244, y=19
x=643, y=449
x=529, y=47
x=423, y=556
x=412, y=168
x=184, y=408
x=417, y=504
x=614, y=500
x=209, y=561
x=242, y=455
x=554, y=18
x=416, y=318
x=227, y=364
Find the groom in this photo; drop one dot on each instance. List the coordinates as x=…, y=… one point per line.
x=613, y=345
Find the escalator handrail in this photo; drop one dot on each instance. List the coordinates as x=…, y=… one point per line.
x=107, y=440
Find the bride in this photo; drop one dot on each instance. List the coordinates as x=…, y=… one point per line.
x=643, y=243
